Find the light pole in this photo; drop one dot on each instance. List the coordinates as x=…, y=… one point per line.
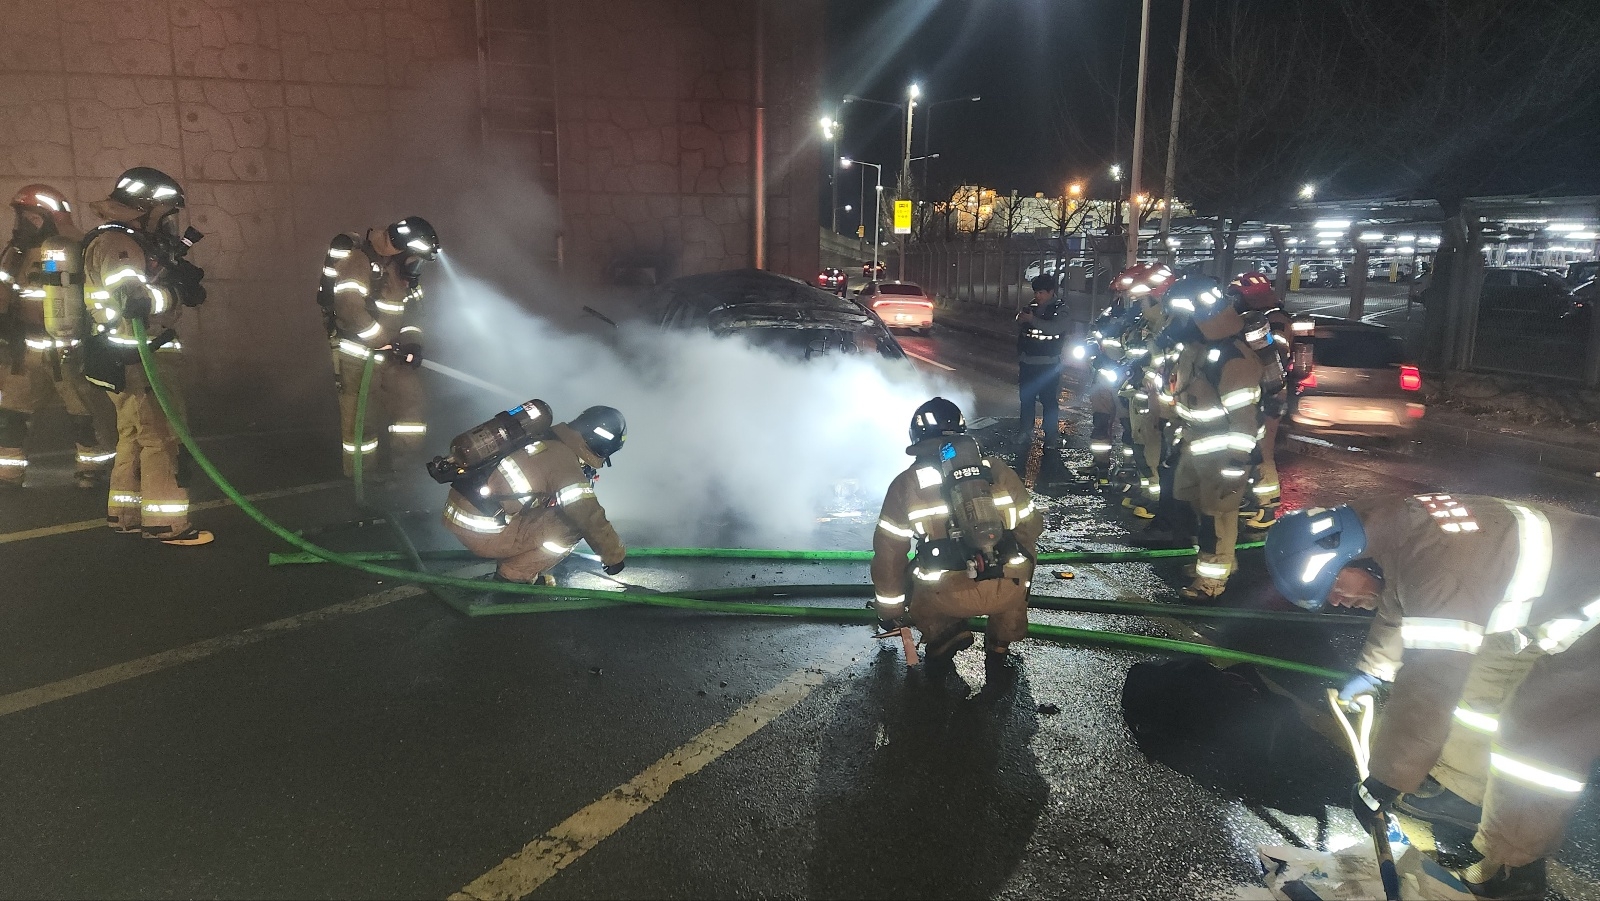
x=1116, y=201
x=877, y=206
x=927, y=130
x=830, y=131
x=1136, y=183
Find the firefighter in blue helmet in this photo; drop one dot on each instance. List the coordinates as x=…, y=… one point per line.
x=1486, y=636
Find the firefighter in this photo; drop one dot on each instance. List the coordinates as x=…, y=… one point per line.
x=1106, y=408
x=973, y=526
x=1460, y=583
x=1252, y=292
x=1041, y=337
x=1216, y=389
x=538, y=500
x=41, y=327
x=135, y=269
x=369, y=294
x=1140, y=390
x=1260, y=504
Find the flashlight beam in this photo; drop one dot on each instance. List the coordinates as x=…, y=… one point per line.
x=460, y=376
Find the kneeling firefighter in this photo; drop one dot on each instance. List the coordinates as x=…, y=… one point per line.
x=522, y=489
x=1486, y=630
x=972, y=524
x=41, y=330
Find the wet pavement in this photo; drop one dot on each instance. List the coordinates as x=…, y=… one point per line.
x=194, y=722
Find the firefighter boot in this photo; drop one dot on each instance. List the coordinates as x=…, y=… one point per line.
x=1492, y=879
x=1203, y=589
x=940, y=651
x=1437, y=804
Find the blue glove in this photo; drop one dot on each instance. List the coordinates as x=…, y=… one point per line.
x=1363, y=685
x=1370, y=800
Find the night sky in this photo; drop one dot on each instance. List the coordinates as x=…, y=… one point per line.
x=1057, y=79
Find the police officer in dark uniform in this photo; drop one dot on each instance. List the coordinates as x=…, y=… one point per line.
x=1041, y=337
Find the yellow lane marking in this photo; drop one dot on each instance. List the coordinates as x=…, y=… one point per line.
x=87, y=524
x=916, y=356
x=30, y=698
x=523, y=872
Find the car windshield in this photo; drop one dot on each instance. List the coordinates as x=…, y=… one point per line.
x=1357, y=350
x=907, y=290
x=807, y=343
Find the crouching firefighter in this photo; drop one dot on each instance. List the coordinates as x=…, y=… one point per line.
x=370, y=293
x=41, y=327
x=522, y=489
x=1486, y=632
x=135, y=270
x=972, y=525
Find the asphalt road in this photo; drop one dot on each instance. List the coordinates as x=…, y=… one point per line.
x=191, y=722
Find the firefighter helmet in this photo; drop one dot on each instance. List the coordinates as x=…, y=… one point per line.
x=1142, y=279
x=47, y=202
x=415, y=235
x=603, y=429
x=1307, y=548
x=936, y=418
x=1193, y=293
x=1255, y=289
x=1257, y=330
x=144, y=188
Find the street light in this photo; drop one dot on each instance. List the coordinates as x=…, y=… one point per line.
x=877, y=205
x=830, y=131
x=1308, y=190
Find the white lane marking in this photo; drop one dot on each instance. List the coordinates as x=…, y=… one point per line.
x=29, y=698
x=523, y=872
x=87, y=524
x=924, y=359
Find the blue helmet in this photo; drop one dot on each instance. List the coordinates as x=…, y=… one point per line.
x=1307, y=548
x=1193, y=294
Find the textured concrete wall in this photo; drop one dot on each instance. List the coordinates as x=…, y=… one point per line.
x=290, y=120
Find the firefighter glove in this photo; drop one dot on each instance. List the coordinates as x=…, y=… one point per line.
x=410, y=354
x=136, y=305
x=1361, y=686
x=614, y=568
x=1370, y=800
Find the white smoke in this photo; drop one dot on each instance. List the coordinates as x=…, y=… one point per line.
x=717, y=428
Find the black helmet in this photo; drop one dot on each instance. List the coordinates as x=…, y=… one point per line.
x=1044, y=282
x=144, y=188
x=415, y=235
x=935, y=418
x=603, y=429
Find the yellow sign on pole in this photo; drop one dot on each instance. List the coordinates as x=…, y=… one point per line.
x=902, y=217
x=861, y=231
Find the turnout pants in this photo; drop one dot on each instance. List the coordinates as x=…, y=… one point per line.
x=395, y=411
x=938, y=606
x=1102, y=418
x=1548, y=740
x=32, y=384
x=149, y=482
x=1040, y=384
x=533, y=542
x=1500, y=666
x=1215, y=499
x=1264, y=488
x=1147, y=440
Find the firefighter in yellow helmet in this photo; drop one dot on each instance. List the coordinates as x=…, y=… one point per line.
x=135, y=269
x=370, y=293
x=973, y=526
x=522, y=490
x=41, y=327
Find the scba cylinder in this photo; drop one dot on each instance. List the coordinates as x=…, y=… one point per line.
x=971, y=494
x=485, y=444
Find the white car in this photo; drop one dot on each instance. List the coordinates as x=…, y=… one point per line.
x=899, y=305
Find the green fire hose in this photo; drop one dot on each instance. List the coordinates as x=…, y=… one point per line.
x=828, y=614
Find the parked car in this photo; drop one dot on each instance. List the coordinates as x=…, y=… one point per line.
x=1378, y=269
x=1037, y=268
x=832, y=279
x=1523, y=292
x=899, y=305
x=772, y=311
x=866, y=269
x=1582, y=271
x=1351, y=378
x=1322, y=273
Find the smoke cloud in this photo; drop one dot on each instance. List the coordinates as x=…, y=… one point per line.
x=723, y=436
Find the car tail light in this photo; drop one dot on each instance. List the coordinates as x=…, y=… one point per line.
x=1410, y=379
x=1310, y=381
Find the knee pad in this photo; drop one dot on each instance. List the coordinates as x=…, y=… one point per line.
x=13, y=428
x=83, y=431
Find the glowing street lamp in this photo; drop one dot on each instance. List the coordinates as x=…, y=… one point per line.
x=1308, y=191
x=877, y=204
x=830, y=132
